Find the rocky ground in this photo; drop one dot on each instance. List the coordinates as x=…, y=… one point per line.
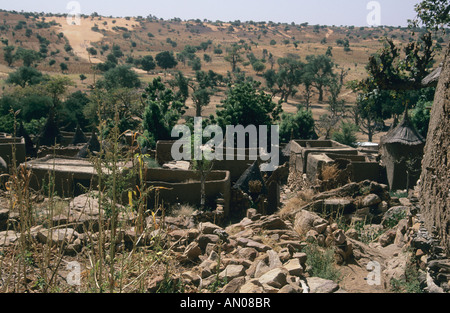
x=324, y=244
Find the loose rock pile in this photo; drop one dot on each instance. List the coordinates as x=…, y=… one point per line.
x=264, y=253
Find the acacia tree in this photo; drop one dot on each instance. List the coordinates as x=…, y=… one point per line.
x=285, y=81
x=320, y=68
x=234, y=56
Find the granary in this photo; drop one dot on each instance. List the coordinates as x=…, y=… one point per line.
x=402, y=151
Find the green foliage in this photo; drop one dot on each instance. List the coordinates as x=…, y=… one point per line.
x=433, y=14
x=8, y=54
x=120, y=77
x=347, y=134
x=321, y=263
x=196, y=64
x=162, y=111
x=63, y=67
x=166, y=60
x=27, y=56
x=296, y=126
x=258, y=66
x=245, y=105
x=420, y=117
x=35, y=107
x=25, y=76
x=147, y=63
x=72, y=111
x=289, y=76
x=320, y=68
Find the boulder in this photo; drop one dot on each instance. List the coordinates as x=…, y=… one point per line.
x=275, y=278
x=370, y=200
x=306, y=220
x=232, y=271
x=192, y=251
x=62, y=236
x=252, y=286
x=294, y=267
x=320, y=285
x=234, y=285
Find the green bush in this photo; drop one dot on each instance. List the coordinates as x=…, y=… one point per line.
x=347, y=134
x=297, y=126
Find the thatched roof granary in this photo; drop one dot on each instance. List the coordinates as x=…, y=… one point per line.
x=402, y=151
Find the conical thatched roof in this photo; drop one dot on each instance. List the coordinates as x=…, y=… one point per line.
x=404, y=133
x=93, y=145
x=50, y=134
x=79, y=136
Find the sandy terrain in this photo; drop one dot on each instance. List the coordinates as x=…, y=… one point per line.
x=81, y=36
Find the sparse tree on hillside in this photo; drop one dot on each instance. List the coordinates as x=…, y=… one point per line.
x=166, y=60
x=8, y=54
x=234, y=56
x=63, y=67
x=27, y=56
x=321, y=69
x=147, y=63
x=24, y=76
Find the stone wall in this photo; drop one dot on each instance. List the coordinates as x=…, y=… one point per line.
x=183, y=187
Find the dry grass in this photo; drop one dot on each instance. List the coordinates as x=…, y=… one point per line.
x=329, y=172
x=302, y=198
x=184, y=211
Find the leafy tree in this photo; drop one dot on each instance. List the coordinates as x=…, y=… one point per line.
x=35, y=107
x=285, y=81
x=120, y=77
x=432, y=14
x=245, y=105
x=24, y=76
x=162, y=111
x=27, y=56
x=71, y=113
x=196, y=64
x=8, y=54
x=83, y=77
x=234, y=56
x=148, y=63
x=321, y=69
x=307, y=81
x=56, y=87
x=166, y=60
x=297, y=126
x=258, y=66
x=201, y=98
x=182, y=83
x=63, y=67
x=207, y=58
x=91, y=51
